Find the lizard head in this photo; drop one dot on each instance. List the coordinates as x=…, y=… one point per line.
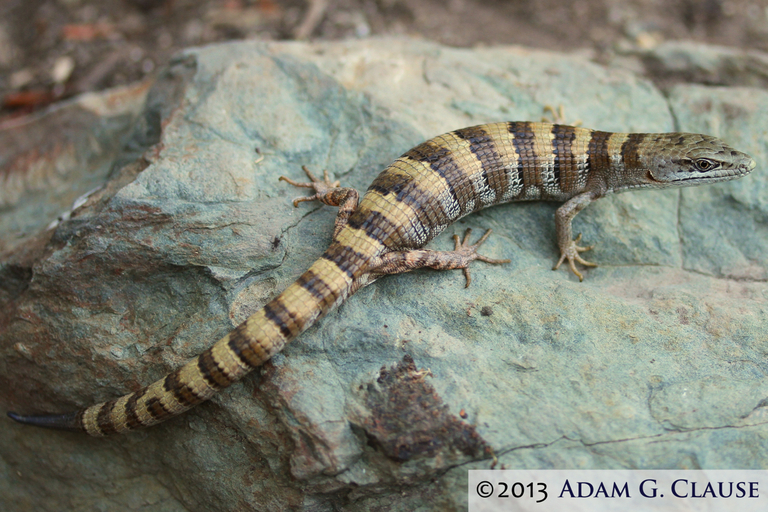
x=689, y=159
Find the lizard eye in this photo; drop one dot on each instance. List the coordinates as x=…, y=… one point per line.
x=704, y=165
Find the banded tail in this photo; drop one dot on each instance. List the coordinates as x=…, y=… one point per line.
x=326, y=284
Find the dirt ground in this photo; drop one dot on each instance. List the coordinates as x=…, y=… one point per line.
x=53, y=49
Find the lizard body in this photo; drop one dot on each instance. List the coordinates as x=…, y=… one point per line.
x=408, y=204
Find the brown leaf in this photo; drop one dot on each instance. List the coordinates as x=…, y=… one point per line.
x=87, y=31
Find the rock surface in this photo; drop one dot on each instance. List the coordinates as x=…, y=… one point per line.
x=656, y=360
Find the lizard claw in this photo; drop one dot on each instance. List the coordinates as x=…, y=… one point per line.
x=468, y=252
x=558, y=115
x=321, y=187
x=571, y=253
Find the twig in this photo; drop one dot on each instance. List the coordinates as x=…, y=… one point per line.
x=311, y=20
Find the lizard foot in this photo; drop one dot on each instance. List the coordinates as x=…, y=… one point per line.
x=467, y=253
x=323, y=188
x=558, y=116
x=571, y=253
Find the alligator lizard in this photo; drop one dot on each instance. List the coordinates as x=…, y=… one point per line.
x=408, y=204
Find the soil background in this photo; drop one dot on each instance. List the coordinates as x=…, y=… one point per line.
x=53, y=49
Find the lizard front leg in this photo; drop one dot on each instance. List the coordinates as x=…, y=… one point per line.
x=329, y=193
x=569, y=248
x=461, y=256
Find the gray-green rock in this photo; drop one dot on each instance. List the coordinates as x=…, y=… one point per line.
x=656, y=360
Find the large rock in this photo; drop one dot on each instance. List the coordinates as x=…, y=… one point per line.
x=656, y=360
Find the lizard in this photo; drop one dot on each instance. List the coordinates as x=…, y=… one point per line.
x=414, y=199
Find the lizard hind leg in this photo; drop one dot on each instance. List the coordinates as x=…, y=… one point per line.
x=323, y=188
x=459, y=258
x=330, y=193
